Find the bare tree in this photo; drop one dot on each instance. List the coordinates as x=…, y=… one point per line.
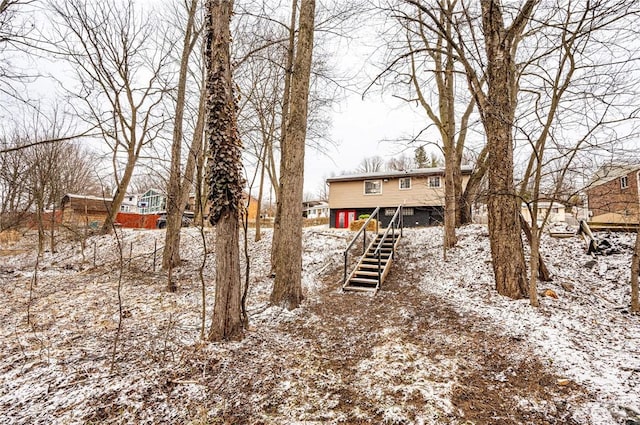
x=15, y=197
x=179, y=186
x=225, y=176
x=287, y=288
x=371, y=164
x=119, y=70
x=15, y=30
x=400, y=163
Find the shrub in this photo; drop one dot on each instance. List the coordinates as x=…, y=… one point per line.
x=363, y=216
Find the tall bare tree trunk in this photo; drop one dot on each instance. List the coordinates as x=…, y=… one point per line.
x=473, y=185
x=498, y=116
x=286, y=100
x=175, y=198
x=225, y=172
x=287, y=288
x=635, y=270
x=121, y=191
x=260, y=193
x=448, y=129
x=199, y=154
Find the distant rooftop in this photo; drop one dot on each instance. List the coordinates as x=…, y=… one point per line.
x=417, y=172
x=609, y=172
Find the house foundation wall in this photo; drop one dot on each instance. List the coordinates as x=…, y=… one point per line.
x=420, y=216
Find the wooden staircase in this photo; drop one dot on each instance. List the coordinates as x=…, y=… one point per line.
x=374, y=265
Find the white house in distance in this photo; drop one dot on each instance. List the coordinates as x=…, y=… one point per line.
x=130, y=203
x=152, y=201
x=556, y=215
x=315, y=209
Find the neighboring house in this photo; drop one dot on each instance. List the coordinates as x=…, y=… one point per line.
x=130, y=204
x=252, y=210
x=315, y=209
x=152, y=201
x=556, y=215
x=81, y=210
x=419, y=191
x=613, y=195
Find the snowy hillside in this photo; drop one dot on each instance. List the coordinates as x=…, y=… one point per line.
x=435, y=345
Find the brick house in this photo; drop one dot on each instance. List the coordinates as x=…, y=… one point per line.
x=419, y=191
x=613, y=195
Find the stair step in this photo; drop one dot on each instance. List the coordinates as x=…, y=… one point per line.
x=370, y=266
x=358, y=288
x=366, y=273
x=383, y=255
x=363, y=280
x=383, y=259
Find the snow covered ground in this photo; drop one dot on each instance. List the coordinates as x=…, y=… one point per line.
x=323, y=362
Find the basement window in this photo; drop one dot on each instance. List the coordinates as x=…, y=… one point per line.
x=407, y=211
x=624, y=183
x=373, y=187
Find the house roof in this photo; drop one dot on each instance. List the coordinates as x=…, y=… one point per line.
x=418, y=172
x=609, y=172
x=153, y=192
x=86, y=203
x=311, y=204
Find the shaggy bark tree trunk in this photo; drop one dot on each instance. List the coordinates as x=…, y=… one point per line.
x=227, y=312
x=287, y=287
x=175, y=197
x=503, y=206
x=225, y=176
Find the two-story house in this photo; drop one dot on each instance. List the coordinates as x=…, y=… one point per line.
x=419, y=191
x=613, y=195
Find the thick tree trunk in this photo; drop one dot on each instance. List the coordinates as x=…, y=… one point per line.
x=503, y=206
x=286, y=100
x=287, y=287
x=227, y=313
x=225, y=172
x=635, y=269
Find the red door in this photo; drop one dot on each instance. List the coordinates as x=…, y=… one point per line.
x=344, y=218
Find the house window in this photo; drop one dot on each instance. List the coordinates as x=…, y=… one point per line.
x=624, y=182
x=405, y=183
x=434, y=181
x=554, y=210
x=372, y=187
x=407, y=211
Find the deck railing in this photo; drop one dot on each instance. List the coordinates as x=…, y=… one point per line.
x=396, y=223
x=363, y=232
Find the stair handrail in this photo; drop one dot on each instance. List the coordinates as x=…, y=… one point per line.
x=396, y=220
x=363, y=230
